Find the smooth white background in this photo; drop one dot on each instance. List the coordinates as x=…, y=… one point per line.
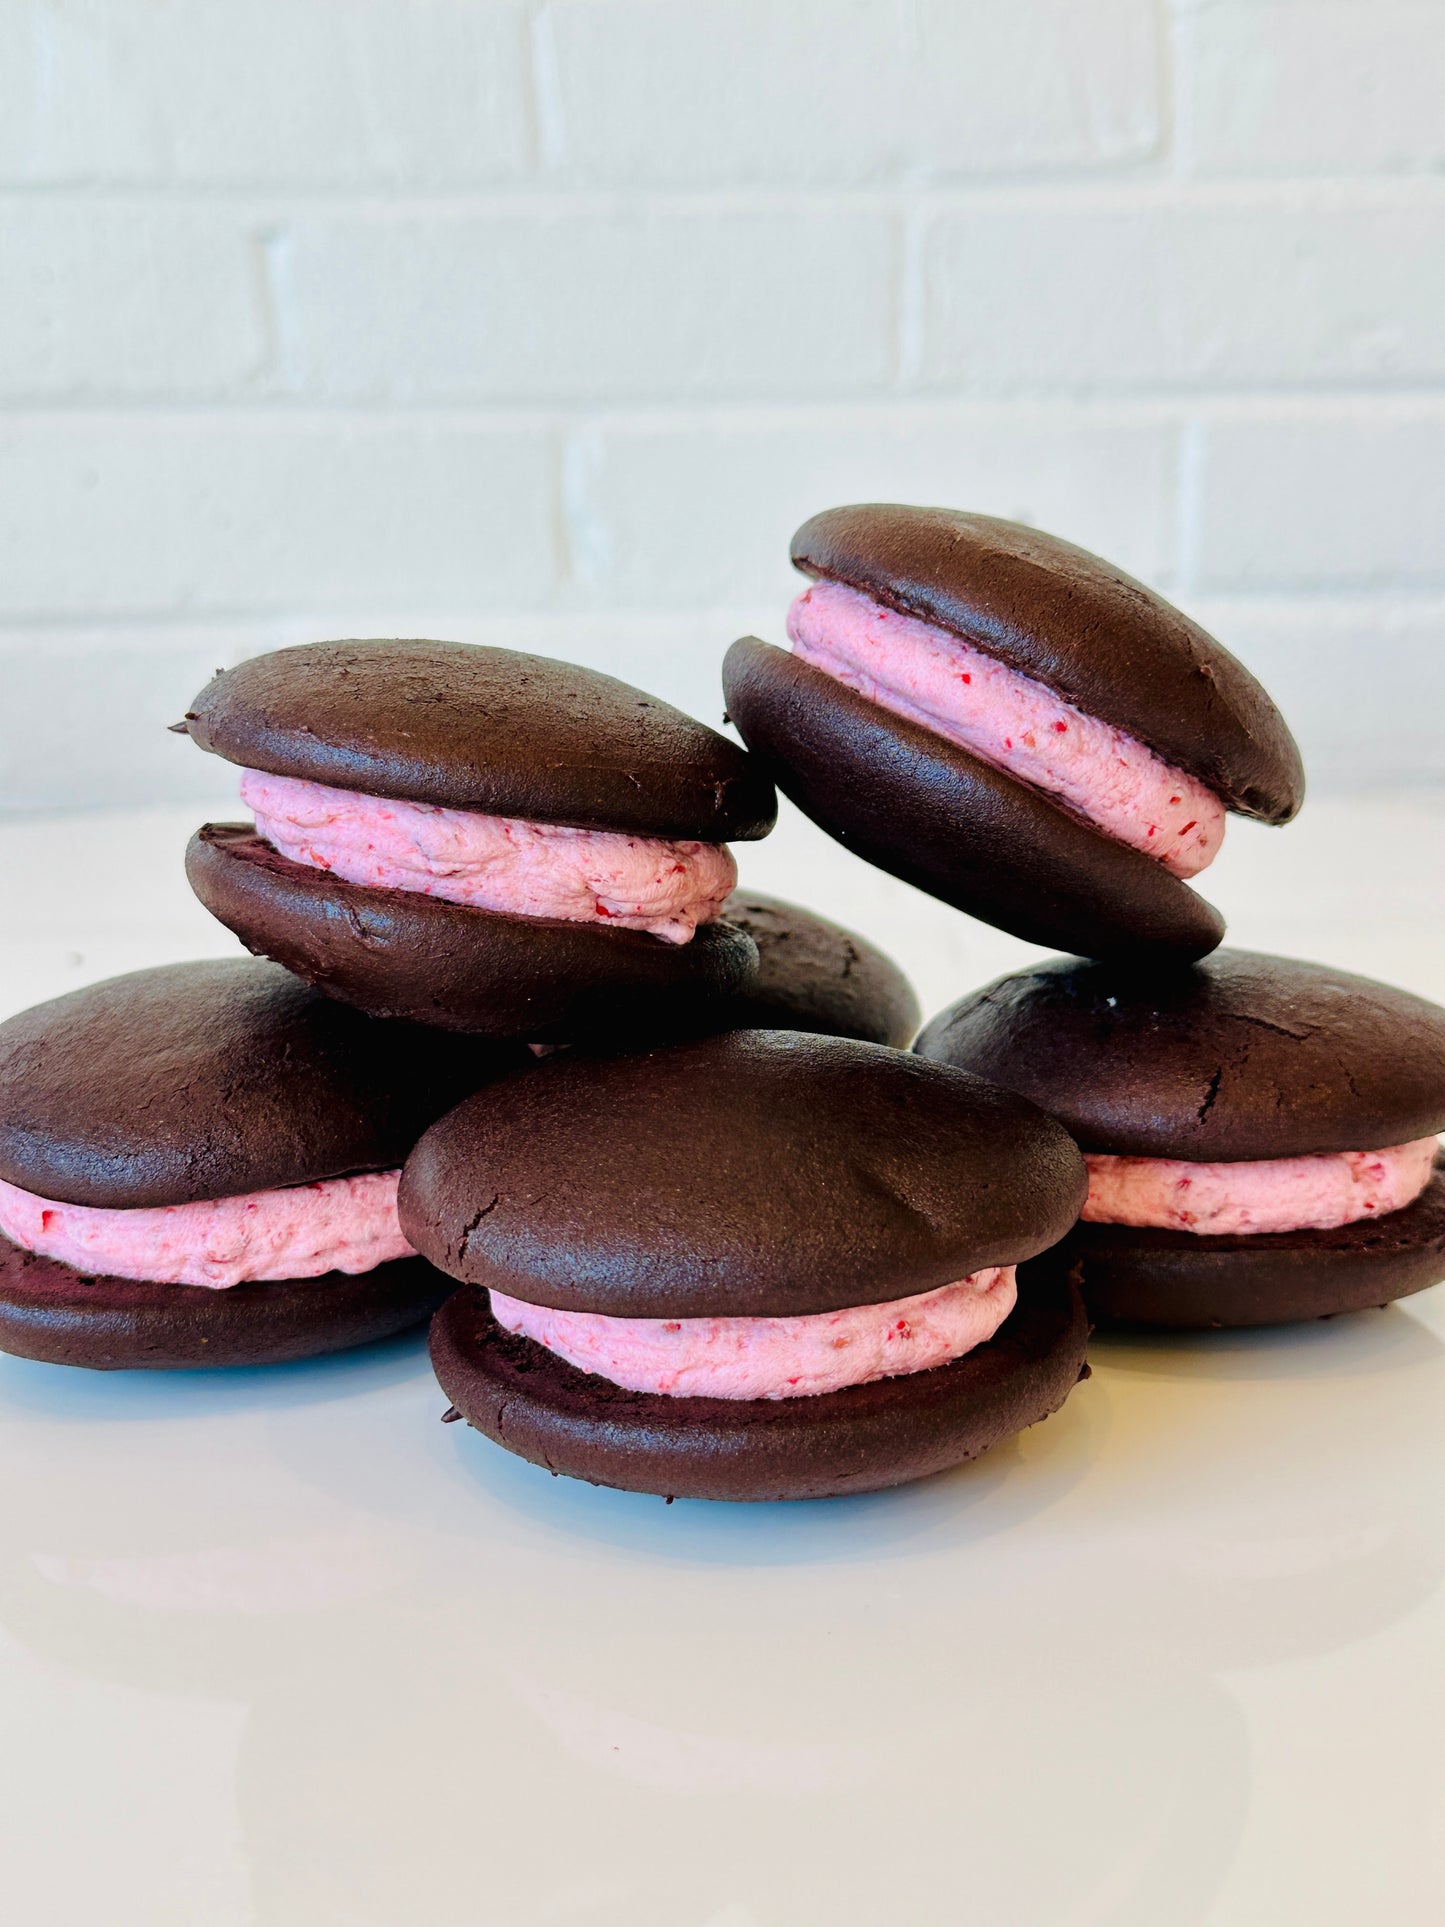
x=546, y=321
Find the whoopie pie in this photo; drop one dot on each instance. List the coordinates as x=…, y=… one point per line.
x=762, y=1265
x=1013, y=725
x=812, y=975
x=198, y=1166
x=1260, y=1133
x=475, y=838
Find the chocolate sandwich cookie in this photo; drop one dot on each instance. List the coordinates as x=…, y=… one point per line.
x=198, y=1166
x=1260, y=1133
x=1013, y=725
x=815, y=975
x=812, y=975
x=763, y=1265
x=476, y=839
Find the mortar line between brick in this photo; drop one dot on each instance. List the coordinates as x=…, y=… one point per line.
x=1177, y=56
x=545, y=94
x=1382, y=404
x=1069, y=190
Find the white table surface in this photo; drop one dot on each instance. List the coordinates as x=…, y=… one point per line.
x=278, y=1647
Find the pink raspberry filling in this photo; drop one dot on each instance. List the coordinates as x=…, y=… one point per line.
x=970, y=698
x=773, y=1357
x=1316, y=1193
x=300, y=1231
x=494, y=862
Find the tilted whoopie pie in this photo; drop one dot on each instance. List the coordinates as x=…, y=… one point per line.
x=1013, y=725
x=763, y=1265
x=198, y=1166
x=1260, y=1133
x=474, y=838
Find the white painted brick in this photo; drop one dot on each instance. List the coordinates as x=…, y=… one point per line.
x=701, y=512
x=1355, y=730
x=1055, y=84
x=1302, y=86
x=562, y=302
x=1148, y=292
x=115, y=690
x=723, y=91
x=127, y=302
x=326, y=92
x=216, y=514
x=1346, y=502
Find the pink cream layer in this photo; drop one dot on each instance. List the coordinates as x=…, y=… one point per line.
x=1273, y=1194
x=773, y=1357
x=494, y=862
x=301, y=1231
x=970, y=698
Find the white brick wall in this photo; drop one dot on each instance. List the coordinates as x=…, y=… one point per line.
x=546, y=321
x=838, y=92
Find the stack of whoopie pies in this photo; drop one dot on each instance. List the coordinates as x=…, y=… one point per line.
x=692, y=1216
x=1024, y=731
x=199, y=1164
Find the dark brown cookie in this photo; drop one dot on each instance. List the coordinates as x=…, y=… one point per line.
x=1172, y=1280
x=399, y=953
x=483, y=729
x=814, y=975
x=858, y=1440
x=1240, y=1056
x=759, y=1173
x=204, y=1080
x=925, y=810
x=50, y=1312
x=1074, y=622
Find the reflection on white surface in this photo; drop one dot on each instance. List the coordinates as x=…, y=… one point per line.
x=281, y=1575
x=1028, y=1674
x=688, y=1762
x=281, y=1650
x=1286, y=1557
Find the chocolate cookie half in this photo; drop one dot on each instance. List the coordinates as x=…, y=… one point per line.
x=198, y=1166
x=54, y=1312
x=1260, y=1132
x=1013, y=725
x=860, y=1439
x=811, y=975
x=815, y=975
x=474, y=838
x=761, y=1265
